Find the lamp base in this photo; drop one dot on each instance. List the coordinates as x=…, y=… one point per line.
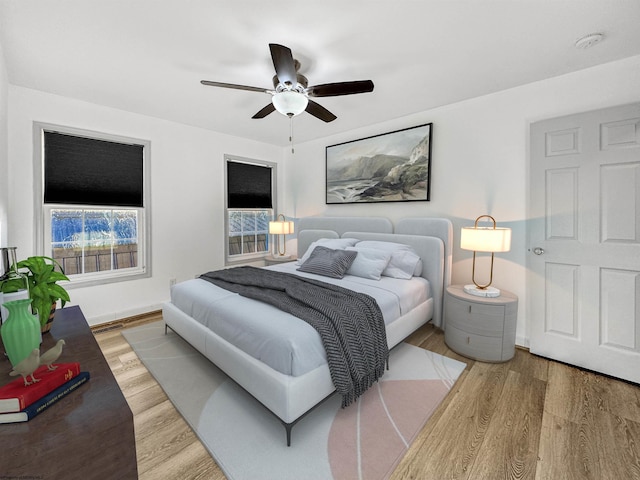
x=482, y=292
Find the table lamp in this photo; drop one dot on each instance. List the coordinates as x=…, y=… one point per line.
x=281, y=228
x=484, y=239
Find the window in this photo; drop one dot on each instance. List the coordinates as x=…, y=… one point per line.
x=94, y=204
x=250, y=186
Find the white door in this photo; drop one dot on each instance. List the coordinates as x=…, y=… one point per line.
x=584, y=240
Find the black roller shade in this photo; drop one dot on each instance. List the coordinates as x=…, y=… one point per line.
x=86, y=171
x=248, y=186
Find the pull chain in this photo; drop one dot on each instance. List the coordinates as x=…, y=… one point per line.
x=291, y=132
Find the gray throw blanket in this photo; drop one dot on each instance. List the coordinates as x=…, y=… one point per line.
x=350, y=324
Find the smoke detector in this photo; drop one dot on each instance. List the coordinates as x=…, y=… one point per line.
x=589, y=41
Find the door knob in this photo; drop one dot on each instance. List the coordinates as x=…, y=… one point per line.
x=538, y=250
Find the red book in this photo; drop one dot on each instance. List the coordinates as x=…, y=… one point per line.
x=16, y=396
x=45, y=402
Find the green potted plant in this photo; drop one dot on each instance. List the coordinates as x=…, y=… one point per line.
x=44, y=291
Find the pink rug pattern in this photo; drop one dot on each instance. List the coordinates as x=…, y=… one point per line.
x=373, y=439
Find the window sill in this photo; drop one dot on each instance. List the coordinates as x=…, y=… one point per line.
x=104, y=279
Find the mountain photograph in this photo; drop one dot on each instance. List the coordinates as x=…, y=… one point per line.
x=393, y=167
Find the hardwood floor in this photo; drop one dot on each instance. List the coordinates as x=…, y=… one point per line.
x=529, y=418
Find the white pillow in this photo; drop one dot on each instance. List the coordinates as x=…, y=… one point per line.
x=418, y=270
x=332, y=243
x=369, y=263
x=404, y=259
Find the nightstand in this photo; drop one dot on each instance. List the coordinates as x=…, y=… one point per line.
x=482, y=328
x=275, y=260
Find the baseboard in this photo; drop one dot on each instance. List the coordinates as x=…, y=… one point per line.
x=126, y=322
x=116, y=316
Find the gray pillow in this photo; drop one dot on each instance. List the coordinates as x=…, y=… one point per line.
x=335, y=243
x=328, y=262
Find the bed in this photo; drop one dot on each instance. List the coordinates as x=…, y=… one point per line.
x=288, y=376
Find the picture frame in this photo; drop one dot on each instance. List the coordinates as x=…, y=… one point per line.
x=390, y=167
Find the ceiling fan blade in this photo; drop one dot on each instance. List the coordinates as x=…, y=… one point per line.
x=320, y=112
x=284, y=64
x=340, y=88
x=265, y=111
x=233, y=85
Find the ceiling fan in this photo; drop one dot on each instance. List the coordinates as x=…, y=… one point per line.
x=291, y=93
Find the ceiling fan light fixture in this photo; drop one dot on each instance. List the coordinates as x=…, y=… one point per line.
x=290, y=103
x=291, y=94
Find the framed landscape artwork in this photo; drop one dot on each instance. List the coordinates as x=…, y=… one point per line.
x=392, y=167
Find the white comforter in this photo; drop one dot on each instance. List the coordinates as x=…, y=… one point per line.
x=278, y=339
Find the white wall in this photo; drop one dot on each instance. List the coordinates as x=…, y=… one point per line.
x=479, y=166
x=187, y=194
x=4, y=151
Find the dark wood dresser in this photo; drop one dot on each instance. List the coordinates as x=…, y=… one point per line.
x=86, y=435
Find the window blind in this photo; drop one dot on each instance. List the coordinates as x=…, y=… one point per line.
x=87, y=171
x=248, y=186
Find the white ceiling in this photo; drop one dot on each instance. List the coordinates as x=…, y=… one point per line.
x=148, y=56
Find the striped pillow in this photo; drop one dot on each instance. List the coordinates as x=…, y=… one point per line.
x=328, y=262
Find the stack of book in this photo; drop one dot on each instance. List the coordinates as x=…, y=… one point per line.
x=20, y=402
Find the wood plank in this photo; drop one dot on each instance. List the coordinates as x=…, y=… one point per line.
x=191, y=463
x=617, y=447
x=565, y=391
x=510, y=446
x=146, y=399
x=582, y=426
x=614, y=396
x=530, y=365
x=557, y=453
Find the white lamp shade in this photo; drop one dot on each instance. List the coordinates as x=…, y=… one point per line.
x=485, y=239
x=290, y=103
x=281, y=228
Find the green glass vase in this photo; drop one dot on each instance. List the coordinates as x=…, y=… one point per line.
x=20, y=332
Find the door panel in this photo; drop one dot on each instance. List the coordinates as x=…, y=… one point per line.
x=620, y=202
x=584, y=283
x=561, y=313
x=619, y=301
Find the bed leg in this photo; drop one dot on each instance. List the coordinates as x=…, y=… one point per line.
x=166, y=328
x=288, y=427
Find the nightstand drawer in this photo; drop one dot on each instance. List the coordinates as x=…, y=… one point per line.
x=479, y=347
x=475, y=318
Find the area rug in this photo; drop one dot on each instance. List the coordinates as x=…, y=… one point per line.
x=364, y=441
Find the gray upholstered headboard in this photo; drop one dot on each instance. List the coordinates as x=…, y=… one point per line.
x=432, y=238
x=311, y=229
x=434, y=227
